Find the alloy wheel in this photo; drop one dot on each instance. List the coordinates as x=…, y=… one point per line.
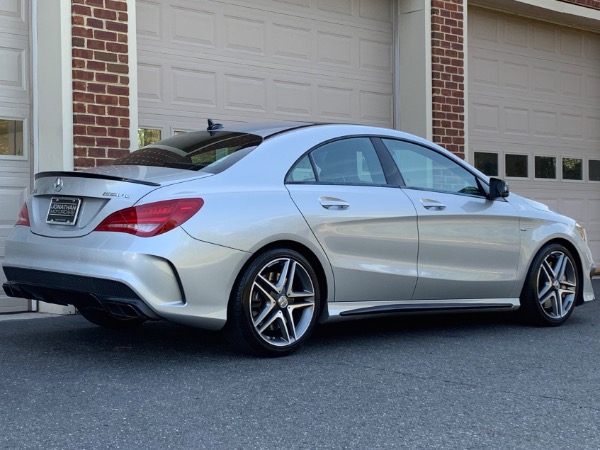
x=557, y=285
x=282, y=302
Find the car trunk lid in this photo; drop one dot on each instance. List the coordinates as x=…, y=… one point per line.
x=73, y=204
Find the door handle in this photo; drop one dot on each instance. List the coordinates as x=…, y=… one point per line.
x=333, y=203
x=432, y=204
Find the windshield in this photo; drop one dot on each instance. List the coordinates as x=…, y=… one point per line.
x=208, y=151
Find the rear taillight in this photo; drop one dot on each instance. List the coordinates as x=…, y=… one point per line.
x=23, y=217
x=153, y=218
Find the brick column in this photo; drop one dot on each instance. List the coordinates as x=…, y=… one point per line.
x=448, y=77
x=100, y=81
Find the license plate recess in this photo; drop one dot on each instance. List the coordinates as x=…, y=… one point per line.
x=63, y=210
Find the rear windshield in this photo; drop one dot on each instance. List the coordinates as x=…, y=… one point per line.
x=208, y=151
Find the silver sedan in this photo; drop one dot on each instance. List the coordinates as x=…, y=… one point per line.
x=267, y=229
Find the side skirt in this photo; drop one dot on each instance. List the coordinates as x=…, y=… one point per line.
x=340, y=311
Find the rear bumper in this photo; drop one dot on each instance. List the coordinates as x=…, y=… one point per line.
x=171, y=276
x=114, y=297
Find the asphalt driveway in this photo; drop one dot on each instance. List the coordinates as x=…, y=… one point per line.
x=452, y=382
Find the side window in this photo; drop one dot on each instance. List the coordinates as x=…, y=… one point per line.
x=423, y=168
x=348, y=161
x=302, y=172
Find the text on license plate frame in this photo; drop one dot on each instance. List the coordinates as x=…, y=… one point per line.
x=63, y=210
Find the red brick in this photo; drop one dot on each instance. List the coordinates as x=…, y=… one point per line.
x=107, y=142
x=116, y=48
x=107, y=121
x=119, y=112
x=118, y=90
x=96, y=88
x=107, y=100
x=83, y=75
x=83, y=97
x=105, y=14
x=118, y=153
x=97, y=110
x=95, y=44
x=84, y=119
x=118, y=132
x=96, y=3
x=82, y=32
x=98, y=66
x=80, y=10
x=79, y=108
x=118, y=68
x=104, y=56
x=97, y=152
x=105, y=35
x=81, y=53
x=107, y=78
x=78, y=63
x=116, y=5
x=118, y=27
x=96, y=131
x=94, y=23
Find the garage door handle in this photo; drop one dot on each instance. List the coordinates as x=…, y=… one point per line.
x=432, y=204
x=333, y=203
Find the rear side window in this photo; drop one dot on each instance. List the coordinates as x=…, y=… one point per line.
x=345, y=161
x=201, y=150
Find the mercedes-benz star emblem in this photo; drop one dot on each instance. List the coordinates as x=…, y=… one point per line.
x=58, y=184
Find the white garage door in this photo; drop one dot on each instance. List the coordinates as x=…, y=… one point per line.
x=325, y=60
x=534, y=111
x=15, y=166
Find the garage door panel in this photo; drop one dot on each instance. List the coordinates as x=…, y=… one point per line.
x=15, y=165
x=230, y=33
x=534, y=90
x=260, y=60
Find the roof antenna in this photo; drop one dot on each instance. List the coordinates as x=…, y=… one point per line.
x=213, y=126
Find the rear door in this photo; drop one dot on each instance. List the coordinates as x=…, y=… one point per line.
x=468, y=245
x=366, y=227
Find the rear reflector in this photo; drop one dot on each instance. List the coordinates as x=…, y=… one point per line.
x=153, y=218
x=23, y=216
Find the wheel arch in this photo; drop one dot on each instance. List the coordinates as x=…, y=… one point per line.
x=573, y=250
x=304, y=251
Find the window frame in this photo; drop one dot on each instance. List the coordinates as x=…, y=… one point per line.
x=309, y=153
x=481, y=183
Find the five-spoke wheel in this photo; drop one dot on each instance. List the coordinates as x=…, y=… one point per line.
x=551, y=287
x=275, y=304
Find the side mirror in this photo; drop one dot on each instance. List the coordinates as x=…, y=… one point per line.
x=498, y=189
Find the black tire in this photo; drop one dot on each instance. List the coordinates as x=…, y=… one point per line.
x=551, y=288
x=269, y=315
x=105, y=320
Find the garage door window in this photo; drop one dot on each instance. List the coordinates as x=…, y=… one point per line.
x=147, y=136
x=572, y=169
x=487, y=163
x=11, y=137
x=517, y=166
x=594, y=169
x=545, y=167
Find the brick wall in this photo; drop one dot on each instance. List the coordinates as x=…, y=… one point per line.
x=594, y=4
x=100, y=81
x=448, y=77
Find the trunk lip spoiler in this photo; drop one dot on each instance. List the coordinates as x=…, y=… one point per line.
x=95, y=176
